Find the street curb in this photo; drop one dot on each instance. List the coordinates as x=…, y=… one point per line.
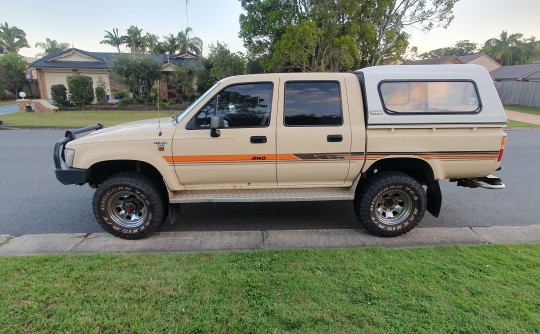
x=172, y=242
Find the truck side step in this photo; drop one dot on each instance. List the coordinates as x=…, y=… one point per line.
x=261, y=195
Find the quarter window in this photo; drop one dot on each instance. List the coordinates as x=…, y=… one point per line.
x=429, y=97
x=316, y=103
x=242, y=106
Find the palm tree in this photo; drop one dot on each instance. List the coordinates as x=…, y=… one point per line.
x=135, y=40
x=505, y=50
x=153, y=43
x=50, y=46
x=113, y=39
x=189, y=44
x=12, y=39
x=170, y=44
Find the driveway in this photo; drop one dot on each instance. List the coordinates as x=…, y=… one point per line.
x=9, y=109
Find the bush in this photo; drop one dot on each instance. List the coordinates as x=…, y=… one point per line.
x=126, y=102
x=59, y=95
x=81, y=91
x=100, y=95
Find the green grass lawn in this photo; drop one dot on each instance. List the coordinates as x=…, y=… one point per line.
x=518, y=124
x=458, y=289
x=5, y=103
x=528, y=110
x=74, y=119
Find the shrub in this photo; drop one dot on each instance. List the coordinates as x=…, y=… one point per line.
x=126, y=102
x=81, y=91
x=59, y=95
x=100, y=95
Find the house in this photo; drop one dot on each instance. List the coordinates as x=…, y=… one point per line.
x=478, y=58
x=526, y=72
x=54, y=68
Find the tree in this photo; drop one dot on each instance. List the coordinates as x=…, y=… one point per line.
x=50, y=46
x=390, y=19
x=138, y=72
x=12, y=39
x=189, y=44
x=224, y=63
x=461, y=48
x=507, y=50
x=135, y=40
x=13, y=72
x=170, y=44
x=113, y=39
x=377, y=27
x=153, y=44
x=81, y=89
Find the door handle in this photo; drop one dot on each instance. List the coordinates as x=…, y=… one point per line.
x=258, y=139
x=334, y=138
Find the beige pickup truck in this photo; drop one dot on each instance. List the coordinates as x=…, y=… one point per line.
x=381, y=137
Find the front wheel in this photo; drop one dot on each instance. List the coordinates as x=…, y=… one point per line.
x=129, y=205
x=390, y=204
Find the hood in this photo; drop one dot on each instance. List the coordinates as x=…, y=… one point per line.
x=148, y=129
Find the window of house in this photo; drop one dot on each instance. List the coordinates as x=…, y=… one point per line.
x=313, y=103
x=242, y=106
x=429, y=97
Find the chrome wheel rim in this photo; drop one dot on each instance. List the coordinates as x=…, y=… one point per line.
x=128, y=209
x=393, y=207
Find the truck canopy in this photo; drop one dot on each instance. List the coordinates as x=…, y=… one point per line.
x=434, y=94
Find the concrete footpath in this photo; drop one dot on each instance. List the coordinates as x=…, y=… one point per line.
x=523, y=117
x=171, y=242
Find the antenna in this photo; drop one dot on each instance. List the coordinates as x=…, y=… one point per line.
x=159, y=116
x=187, y=18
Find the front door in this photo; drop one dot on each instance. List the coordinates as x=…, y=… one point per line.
x=243, y=156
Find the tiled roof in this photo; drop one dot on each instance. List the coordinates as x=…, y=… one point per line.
x=102, y=60
x=468, y=58
x=516, y=72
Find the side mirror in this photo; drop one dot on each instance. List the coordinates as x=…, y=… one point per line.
x=216, y=123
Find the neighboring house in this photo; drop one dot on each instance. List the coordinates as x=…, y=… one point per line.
x=54, y=68
x=527, y=72
x=478, y=59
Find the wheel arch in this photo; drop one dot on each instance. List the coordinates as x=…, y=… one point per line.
x=102, y=170
x=420, y=170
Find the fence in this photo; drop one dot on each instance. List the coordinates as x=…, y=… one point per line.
x=523, y=93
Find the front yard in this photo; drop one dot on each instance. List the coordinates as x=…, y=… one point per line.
x=457, y=289
x=77, y=119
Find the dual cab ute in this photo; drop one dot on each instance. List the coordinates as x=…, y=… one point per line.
x=381, y=138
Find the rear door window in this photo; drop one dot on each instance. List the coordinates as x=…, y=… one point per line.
x=313, y=103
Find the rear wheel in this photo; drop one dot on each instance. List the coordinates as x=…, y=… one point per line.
x=129, y=205
x=390, y=204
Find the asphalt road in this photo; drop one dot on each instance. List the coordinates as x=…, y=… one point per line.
x=8, y=109
x=33, y=201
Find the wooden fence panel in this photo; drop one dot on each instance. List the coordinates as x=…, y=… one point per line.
x=523, y=93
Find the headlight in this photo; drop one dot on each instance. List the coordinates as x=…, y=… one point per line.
x=69, y=154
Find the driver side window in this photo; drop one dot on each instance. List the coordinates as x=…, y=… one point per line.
x=242, y=106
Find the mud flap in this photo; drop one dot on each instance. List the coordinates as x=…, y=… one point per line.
x=434, y=198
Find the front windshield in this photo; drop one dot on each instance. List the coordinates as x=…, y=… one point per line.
x=178, y=118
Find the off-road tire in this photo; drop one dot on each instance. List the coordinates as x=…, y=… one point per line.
x=129, y=205
x=390, y=203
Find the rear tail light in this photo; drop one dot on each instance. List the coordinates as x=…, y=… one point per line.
x=501, y=151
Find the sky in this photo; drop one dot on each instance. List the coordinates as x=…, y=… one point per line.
x=83, y=23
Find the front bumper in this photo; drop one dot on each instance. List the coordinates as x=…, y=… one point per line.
x=64, y=173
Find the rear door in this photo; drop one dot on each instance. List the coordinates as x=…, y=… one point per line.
x=313, y=132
